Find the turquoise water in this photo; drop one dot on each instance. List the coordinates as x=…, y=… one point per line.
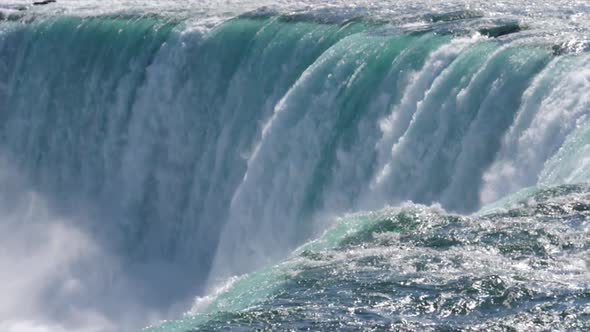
x=323, y=169
x=418, y=268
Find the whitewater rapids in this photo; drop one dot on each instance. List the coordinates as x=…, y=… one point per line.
x=280, y=165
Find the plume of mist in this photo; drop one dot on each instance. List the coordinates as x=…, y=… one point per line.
x=57, y=277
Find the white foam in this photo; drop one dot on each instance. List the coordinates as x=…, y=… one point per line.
x=542, y=124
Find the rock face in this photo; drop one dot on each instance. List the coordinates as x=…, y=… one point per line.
x=44, y=2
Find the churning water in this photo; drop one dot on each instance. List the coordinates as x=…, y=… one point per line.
x=342, y=165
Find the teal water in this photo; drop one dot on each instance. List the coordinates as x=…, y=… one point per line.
x=229, y=164
x=419, y=268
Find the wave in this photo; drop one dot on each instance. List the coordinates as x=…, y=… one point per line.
x=522, y=266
